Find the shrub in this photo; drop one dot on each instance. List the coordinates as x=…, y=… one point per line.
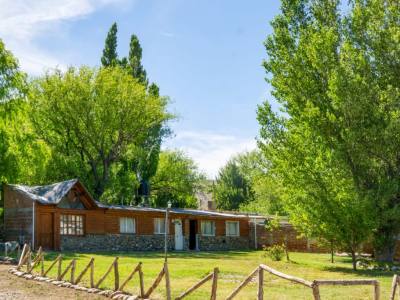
x=275, y=252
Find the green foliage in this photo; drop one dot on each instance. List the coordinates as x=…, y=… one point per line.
x=274, y=252
x=335, y=147
x=135, y=61
x=231, y=188
x=110, y=55
x=176, y=180
x=91, y=119
x=245, y=183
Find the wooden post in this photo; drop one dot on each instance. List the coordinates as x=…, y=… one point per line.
x=73, y=271
x=42, y=265
x=315, y=290
x=79, y=278
x=116, y=275
x=70, y=266
x=92, y=274
x=376, y=291
x=167, y=282
x=214, y=284
x=260, y=294
x=107, y=272
x=29, y=263
x=52, y=265
x=394, y=286
x=155, y=283
x=23, y=254
x=137, y=268
x=59, y=267
x=141, y=281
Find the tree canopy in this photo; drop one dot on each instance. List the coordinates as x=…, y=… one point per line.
x=335, y=74
x=177, y=179
x=91, y=118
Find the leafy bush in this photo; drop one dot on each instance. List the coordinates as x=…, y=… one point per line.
x=275, y=252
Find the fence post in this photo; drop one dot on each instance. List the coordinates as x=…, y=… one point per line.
x=376, y=291
x=116, y=275
x=315, y=290
x=59, y=268
x=167, y=282
x=42, y=265
x=260, y=294
x=214, y=284
x=92, y=274
x=141, y=281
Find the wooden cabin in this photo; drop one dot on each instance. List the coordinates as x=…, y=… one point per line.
x=64, y=216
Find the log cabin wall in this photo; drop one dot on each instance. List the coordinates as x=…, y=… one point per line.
x=102, y=230
x=18, y=216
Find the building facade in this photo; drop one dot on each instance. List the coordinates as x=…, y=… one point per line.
x=64, y=216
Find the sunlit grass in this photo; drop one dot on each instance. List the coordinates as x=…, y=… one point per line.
x=186, y=268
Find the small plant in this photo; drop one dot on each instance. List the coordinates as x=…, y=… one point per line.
x=275, y=252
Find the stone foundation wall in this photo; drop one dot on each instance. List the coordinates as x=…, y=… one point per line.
x=212, y=243
x=115, y=242
x=132, y=242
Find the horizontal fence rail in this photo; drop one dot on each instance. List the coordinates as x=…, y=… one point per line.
x=31, y=261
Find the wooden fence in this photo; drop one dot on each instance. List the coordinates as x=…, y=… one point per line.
x=31, y=261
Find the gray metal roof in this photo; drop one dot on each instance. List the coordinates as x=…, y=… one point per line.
x=195, y=212
x=53, y=193
x=46, y=194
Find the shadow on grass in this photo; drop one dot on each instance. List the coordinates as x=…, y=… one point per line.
x=360, y=272
x=150, y=254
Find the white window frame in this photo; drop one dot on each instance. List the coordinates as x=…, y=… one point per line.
x=123, y=228
x=203, y=224
x=158, y=224
x=227, y=233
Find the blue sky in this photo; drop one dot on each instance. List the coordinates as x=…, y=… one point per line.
x=205, y=55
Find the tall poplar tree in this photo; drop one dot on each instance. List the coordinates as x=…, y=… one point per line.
x=335, y=72
x=110, y=55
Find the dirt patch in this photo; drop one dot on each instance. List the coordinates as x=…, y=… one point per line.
x=12, y=287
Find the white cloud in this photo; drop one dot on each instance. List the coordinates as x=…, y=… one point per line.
x=21, y=21
x=210, y=150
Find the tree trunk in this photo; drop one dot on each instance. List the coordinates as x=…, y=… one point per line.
x=332, y=253
x=354, y=259
x=385, y=244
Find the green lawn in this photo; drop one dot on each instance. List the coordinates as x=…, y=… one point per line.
x=187, y=268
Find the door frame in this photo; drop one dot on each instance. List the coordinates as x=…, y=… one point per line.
x=179, y=223
x=193, y=228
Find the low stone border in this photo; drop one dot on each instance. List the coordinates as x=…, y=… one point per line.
x=8, y=261
x=107, y=293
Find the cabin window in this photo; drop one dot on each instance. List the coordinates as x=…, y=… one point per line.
x=71, y=225
x=127, y=225
x=232, y=228
x=159, y=226
x=208, y=228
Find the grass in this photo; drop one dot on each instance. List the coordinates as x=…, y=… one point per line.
x=187, y=268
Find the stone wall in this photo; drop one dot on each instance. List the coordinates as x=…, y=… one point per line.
x=132, y=242
x=212, y=243
x=115, y=242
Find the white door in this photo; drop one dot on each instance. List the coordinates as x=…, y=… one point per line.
x=178, y=235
